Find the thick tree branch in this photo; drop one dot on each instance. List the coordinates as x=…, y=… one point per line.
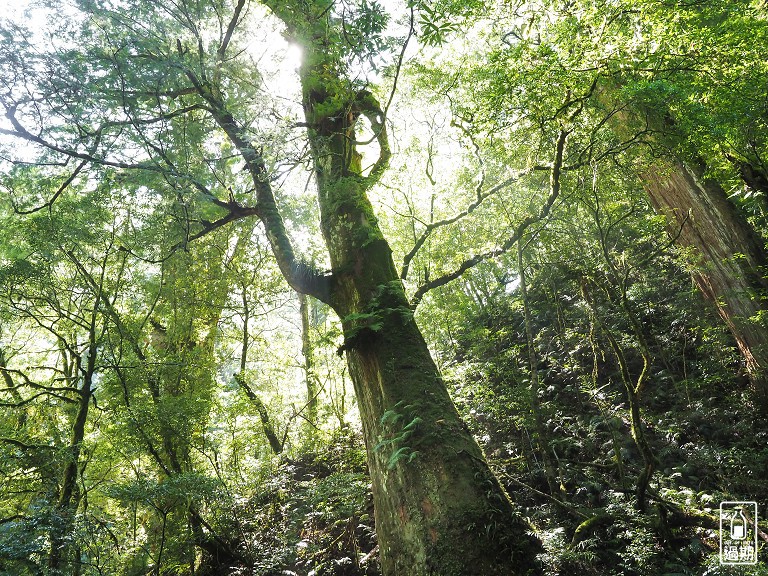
x=35, y=396
x=27, y=382
x=236, y=212
x=299, y=275
x=25, y=446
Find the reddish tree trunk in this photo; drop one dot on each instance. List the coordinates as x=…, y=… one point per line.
x=731, y=259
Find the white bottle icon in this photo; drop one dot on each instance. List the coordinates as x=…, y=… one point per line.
x=738, y=525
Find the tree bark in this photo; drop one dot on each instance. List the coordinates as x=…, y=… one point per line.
x=309, y=374
x=732, y=265
x=439, y=509
x=753, y=175
x=10, y=386
x=731, y=259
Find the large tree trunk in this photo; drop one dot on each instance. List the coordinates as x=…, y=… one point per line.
x=731, y=265
x=439, y=509
x=731, y=270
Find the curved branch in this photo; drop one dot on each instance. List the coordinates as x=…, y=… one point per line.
x=398, y=67
x=473, y=261
x=35, y=396
x=432, y=226
x=54, y=197
x=24, y=446
x=367, y=105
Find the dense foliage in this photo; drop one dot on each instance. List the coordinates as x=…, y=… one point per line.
x=170, y=405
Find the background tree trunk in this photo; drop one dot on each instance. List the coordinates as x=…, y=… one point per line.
x=542, y=438
x=266, y=423
x=309, y=373
x=69, y=496
x=731, y=271
x=731, y=258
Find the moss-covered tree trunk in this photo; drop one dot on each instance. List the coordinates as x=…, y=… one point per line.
x=732, y=269
x=439, y=508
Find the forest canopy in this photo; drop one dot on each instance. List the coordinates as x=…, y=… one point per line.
x=402, y=287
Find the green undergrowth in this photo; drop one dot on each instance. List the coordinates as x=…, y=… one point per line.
x=706, y=435
x=312, y=517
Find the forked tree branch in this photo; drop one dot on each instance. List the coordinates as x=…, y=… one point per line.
x=299, y=275
x=554, y=193
x=432, y=226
